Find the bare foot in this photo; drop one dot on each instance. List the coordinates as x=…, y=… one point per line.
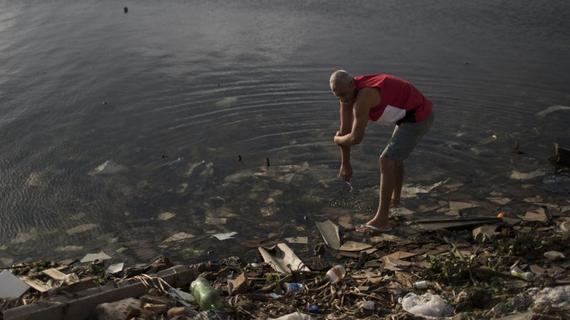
x=370, y=229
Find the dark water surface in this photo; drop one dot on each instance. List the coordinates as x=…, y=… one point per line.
x=172, y=92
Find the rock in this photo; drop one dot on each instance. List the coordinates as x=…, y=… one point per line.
x=120, y=310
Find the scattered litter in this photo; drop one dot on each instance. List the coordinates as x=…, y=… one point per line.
x=354, y=246
x=517, y=175
x=298, y=240
x=538, y=215
x=499, y=200
x=81, y=228
x=34, y=179
x=292, y=288
x=68, y=248
x=10, y=286
x=438, y=224
x=313, y=308
x=239, y=284
x=90, y=257
x=37, y=285
x=54, y=274
x=225, y=236
x=283, y=260
x=485, y=233
x=179, y=237
x=108, y=167
x=428, y=305
x=164, y=216
x=115, y=268
x=294, y=316
x=554, y=255
x=557, y=297
x=552, y=109
x=336, y=273
x=421, y=285
x=329, y=232
x=456, y=206
x=385, y=237
x=517, y=272
x=394, y=260
x=410, y=191
x=204, y=295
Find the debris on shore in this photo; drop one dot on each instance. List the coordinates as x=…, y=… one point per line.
x=474, y=269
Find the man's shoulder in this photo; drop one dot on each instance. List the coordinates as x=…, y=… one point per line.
x=368, y=97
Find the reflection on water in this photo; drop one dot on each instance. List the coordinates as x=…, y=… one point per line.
x=121, y=131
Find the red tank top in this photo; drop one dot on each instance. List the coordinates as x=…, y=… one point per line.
x=395, y=92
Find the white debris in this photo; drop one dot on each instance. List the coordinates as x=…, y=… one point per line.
x=11, y=287
x=225, y=236
x=90, y=257
x=166, y=216
x=428, y=305
x=557, y=297
x=108, y=167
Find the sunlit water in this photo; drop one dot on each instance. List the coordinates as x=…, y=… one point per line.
x=173, y=93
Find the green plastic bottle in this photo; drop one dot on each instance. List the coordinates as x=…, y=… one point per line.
x=206, y=296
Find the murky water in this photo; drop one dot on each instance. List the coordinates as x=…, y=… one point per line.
x=173, y=93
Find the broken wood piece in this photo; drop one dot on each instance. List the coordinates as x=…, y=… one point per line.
x=329, y=232
x=462, y=223
x=284, y=260
x=54, y=274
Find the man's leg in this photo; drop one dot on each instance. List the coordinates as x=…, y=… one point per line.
x=388, y=179
x=398, y=186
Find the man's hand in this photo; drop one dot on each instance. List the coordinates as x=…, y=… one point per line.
x=345, y=172
x=343, y=139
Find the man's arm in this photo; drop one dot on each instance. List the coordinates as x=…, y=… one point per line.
x=346, y=119
x=360, y=110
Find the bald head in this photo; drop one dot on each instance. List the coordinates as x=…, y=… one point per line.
x=340, y=78
x=343, y=86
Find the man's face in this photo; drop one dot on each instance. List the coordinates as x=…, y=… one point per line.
x=344, y=92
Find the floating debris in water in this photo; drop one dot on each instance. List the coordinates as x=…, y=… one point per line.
x=517, y=175
x=81, y=228
x=90, y=257
x=164, y=216
x=179, y=237
x=225, y=236
x=108, y=167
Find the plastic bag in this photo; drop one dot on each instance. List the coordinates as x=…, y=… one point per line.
x=427, y=305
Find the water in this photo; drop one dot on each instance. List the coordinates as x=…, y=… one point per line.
x=176, y=91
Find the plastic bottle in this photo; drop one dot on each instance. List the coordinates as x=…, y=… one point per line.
x=421, y=285
x=517, y=272
x=292, y=287
x=336, y=273
x=206, y=296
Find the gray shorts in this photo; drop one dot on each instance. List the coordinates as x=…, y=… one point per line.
x=405, y=137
